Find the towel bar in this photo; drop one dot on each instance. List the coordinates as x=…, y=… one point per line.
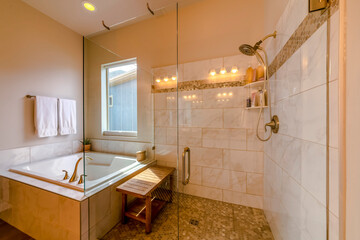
x=30, y=96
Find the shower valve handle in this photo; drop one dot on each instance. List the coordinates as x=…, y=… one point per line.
x=273, y=124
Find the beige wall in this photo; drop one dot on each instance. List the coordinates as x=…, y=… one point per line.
x=207, y=29
x=274, y=10
x=352, y=99
x=40, y=57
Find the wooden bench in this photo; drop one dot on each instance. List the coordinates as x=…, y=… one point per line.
x=142, y=186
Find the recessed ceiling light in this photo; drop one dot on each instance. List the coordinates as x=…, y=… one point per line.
x=89, y=6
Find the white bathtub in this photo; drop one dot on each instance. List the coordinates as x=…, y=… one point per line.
x=100, y=170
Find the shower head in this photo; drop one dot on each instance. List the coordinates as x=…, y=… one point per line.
x=251, y=50
x=247, y=50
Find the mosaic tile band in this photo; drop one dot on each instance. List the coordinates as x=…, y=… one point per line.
x=312, y=22
x=198, y=85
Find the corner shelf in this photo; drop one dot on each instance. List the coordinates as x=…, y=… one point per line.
x=255, y=84
x=250, y=87
x=257, y=107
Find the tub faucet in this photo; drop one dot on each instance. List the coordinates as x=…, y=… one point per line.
x=73, y=177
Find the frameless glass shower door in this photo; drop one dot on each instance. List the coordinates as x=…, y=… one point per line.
x=240, y=186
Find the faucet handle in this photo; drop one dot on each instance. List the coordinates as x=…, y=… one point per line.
x=66, y=175
x=81, y=180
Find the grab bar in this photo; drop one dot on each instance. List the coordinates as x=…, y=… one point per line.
x=187, y=179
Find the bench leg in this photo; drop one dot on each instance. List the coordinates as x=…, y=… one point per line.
x=148, y=215
x=171, y=188
x=123, y=207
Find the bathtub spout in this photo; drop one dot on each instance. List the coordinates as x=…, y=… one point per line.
x=74, y=175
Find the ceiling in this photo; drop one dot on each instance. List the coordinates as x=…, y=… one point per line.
x=72, y=14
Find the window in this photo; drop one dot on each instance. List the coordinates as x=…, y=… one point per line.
x=119, y=98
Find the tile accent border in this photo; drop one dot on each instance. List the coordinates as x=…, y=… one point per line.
x=311, y=23
x=199, y=85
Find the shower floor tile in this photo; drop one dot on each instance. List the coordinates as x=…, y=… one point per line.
x=200, y=219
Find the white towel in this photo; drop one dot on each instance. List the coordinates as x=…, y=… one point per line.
x=67, y=116
x=45, y=116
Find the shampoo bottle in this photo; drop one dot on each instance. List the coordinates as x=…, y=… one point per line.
x=260, y=73
x=249, y=75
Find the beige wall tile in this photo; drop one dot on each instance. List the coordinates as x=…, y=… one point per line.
x=238, y=181
x=254, y=184
x=196, y=175
x=207, y=157
x=243, y=199
x=190, y=137
x=99, y=205
x=224, y=138
x=13, y=157
x=211, y=118
x=42, y=152
x=244, y=161
x=202, y=191
x=241, y=118
x=160, y=135
x=171, y=136
x=252, y=142
x=167, y=153
x=165, y=118
x=218, y=178
x=233, y=97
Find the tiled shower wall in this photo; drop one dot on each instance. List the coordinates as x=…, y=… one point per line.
x=295, y=190
x=226, y=156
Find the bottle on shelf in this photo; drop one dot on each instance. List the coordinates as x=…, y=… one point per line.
x=248, y=102
x=253, y=99
x=249, y=75
x=260, y=73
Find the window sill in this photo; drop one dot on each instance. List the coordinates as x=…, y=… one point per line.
x=120, y=133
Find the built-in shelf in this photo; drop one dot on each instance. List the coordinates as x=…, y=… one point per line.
x=254, y=87
x=257, y=107
x=254, y=84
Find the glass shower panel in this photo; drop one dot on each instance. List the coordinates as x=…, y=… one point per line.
x=118, y=123
x=122, y=77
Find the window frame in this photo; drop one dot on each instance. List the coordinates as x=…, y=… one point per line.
x=105, y=98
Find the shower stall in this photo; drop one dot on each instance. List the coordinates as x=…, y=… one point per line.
x=175, y=85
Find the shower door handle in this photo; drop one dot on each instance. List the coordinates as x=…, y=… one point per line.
x=185, y=180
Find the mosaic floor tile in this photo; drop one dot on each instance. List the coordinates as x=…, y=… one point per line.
x=199, y=219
